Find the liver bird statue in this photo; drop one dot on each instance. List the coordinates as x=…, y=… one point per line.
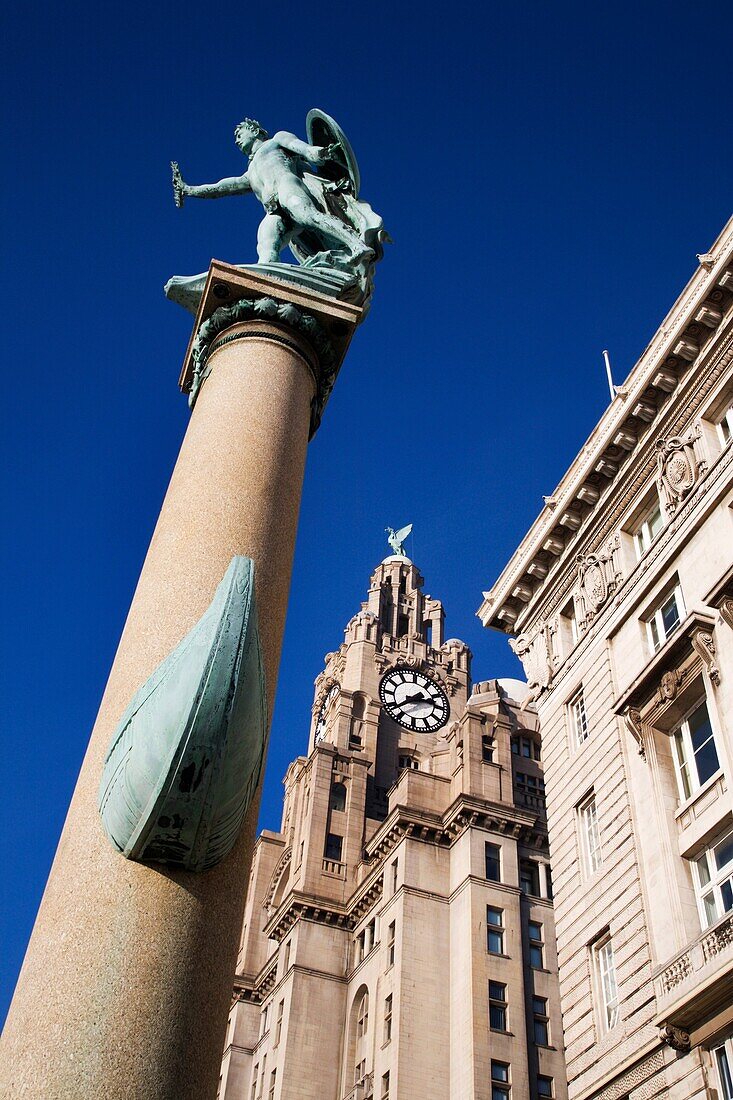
x=396, y=539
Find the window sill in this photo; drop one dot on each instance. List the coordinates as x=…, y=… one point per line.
x=699, y=793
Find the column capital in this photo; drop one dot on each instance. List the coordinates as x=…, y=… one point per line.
x=318, y=327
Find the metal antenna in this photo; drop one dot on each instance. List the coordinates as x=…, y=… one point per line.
x=611, y=386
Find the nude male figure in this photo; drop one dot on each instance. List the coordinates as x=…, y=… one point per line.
x=275, y=176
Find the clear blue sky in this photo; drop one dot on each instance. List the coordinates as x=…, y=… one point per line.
x=548, y=173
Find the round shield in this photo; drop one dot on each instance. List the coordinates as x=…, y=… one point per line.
x=324, y=130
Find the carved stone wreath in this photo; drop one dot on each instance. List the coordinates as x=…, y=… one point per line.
x=268, y=309
x=534, y=653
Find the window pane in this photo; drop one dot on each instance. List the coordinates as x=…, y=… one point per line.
x=670, y=614
x=494, y=916
x=703, y=872
x=682, y=767
x=497, y=1017
x=725, y=1071
x=499, y=1092
x=493, y=866
x=726, y=894
x=724, y=852
x=535, y=957
x=541, y=1037
x=710, y=909
x=706, y=761
x=544, y=1086
x=499, y=1071
x=497, y=991
x=496, y=942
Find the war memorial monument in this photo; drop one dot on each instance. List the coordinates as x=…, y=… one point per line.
x=135, y=943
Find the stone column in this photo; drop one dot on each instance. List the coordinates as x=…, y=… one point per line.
x=127, y=981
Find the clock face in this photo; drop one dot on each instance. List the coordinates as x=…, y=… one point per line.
x=413, y=700
x=323, y=712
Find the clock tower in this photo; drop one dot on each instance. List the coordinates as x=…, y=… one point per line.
x=369, y=964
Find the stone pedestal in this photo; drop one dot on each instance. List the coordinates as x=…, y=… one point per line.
x=126, y=984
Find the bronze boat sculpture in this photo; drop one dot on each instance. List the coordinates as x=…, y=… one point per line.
x=185, y=759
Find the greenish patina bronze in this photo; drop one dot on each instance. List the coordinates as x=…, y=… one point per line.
x=396, y=539
x=267, y=309
x=184, y=762
x=310, y=193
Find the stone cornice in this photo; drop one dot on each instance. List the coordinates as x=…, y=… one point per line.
x=444, y=829
x=612, y=426
x=643, y=575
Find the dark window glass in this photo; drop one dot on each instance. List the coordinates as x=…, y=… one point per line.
x=529, y=878
x=338, y=796
x=493, y=862
x=497, y=1006
x=703, y=744
x=544, y=1087
x=334, y=845
x=495, y=930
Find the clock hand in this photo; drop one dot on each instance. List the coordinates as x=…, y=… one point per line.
x=416, y=698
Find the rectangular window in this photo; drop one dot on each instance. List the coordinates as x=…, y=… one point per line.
x=590, y=834
x=360, y=1071
x=279, y=1023
x=253, y=1090
x=390, y=944
x=579, y=718
x=385, y=1086
x=541, y=1021
x=648, y=529
x=723, y=1057
x=500, y=1087
x=487, y=748
x=334, y=845
x=497, y=1006
x=536, y=945
x=545, y=1087
x=492, y=854
x=714, y=880
x=286, y=957
x=606, y=981
x=695, y=752
x=494, y=930
x=524, y=746
x=271, y=1093
x=725, y=427
x=388, y=1018
x=394, y=876
x=665, y=619
x=529, y=878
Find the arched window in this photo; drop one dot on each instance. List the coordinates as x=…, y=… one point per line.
x=338, y=796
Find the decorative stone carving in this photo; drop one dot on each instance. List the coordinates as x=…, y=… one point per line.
x=704, y=646
x=599, y=576
x=675, y=1037
x=726, y=611
x=536, y=657
x=668, y=686
x=678, y=468
x=635, y=726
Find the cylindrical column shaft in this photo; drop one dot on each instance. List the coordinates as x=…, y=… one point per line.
x=126, y=984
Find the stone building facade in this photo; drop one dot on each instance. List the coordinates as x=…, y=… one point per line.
x=398, y=939
x=620, y=603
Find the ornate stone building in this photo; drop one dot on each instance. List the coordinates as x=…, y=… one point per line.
x=398, y=939
x=620, y=599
